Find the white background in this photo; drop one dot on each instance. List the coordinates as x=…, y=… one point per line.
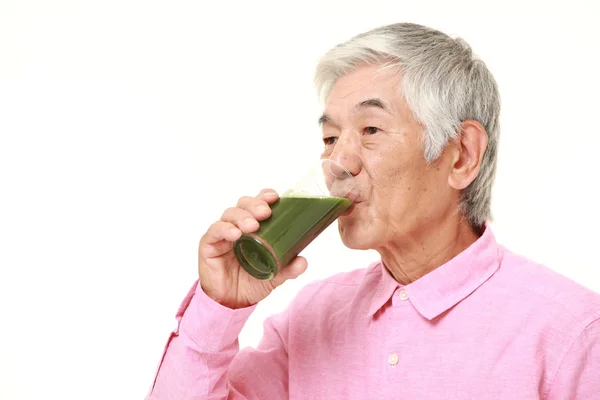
x=127, y=127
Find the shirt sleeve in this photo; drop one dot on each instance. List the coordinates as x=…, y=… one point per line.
x=201, y=359
x=578, y=376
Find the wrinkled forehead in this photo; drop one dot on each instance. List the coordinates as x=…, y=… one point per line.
x=365, y=87
x=368, y=91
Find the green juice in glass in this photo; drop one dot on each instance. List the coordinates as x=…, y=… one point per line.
x=295, y=221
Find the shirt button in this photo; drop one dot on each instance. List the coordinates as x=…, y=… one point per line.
x=393, y=359
x=403, y=295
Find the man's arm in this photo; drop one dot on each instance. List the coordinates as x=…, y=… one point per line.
x=202, y=358
x=578, y=376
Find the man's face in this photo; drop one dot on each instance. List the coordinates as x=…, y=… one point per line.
x=368, y=128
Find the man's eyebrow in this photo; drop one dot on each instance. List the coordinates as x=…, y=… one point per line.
x=372, y=102
x=323, y=119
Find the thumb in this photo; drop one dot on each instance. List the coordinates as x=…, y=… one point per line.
x=292, y=271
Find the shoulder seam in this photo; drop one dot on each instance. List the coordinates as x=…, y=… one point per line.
x=559, y=303
x=595, y=318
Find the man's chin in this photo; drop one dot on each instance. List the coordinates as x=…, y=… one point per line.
x=353, y=238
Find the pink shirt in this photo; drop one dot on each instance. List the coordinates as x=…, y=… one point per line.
x=486, y=325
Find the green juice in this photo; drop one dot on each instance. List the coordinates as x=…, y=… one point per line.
x=293, y=224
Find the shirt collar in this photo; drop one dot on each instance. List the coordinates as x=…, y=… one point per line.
x=447, y=285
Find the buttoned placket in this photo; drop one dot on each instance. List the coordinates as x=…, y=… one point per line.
x=396, y=337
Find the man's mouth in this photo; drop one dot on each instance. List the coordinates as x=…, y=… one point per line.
x=350, y=209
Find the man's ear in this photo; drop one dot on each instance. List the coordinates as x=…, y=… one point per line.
x=469, y=150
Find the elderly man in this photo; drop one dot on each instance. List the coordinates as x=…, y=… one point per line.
x=447, y=312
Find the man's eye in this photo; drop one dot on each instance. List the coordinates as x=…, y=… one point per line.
x=371, y=130
x=329, y=140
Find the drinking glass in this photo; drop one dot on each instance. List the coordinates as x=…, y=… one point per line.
x=302, y=212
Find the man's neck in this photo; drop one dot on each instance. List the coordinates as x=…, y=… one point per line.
x=409, y=258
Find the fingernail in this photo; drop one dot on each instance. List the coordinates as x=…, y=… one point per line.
x=263, y=208
x=270, y=193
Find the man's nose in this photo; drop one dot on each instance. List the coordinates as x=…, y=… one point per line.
x=347, y=153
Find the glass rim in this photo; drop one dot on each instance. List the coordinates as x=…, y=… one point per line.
x=328, y=178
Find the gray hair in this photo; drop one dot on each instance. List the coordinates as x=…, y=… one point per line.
x=443, y=83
